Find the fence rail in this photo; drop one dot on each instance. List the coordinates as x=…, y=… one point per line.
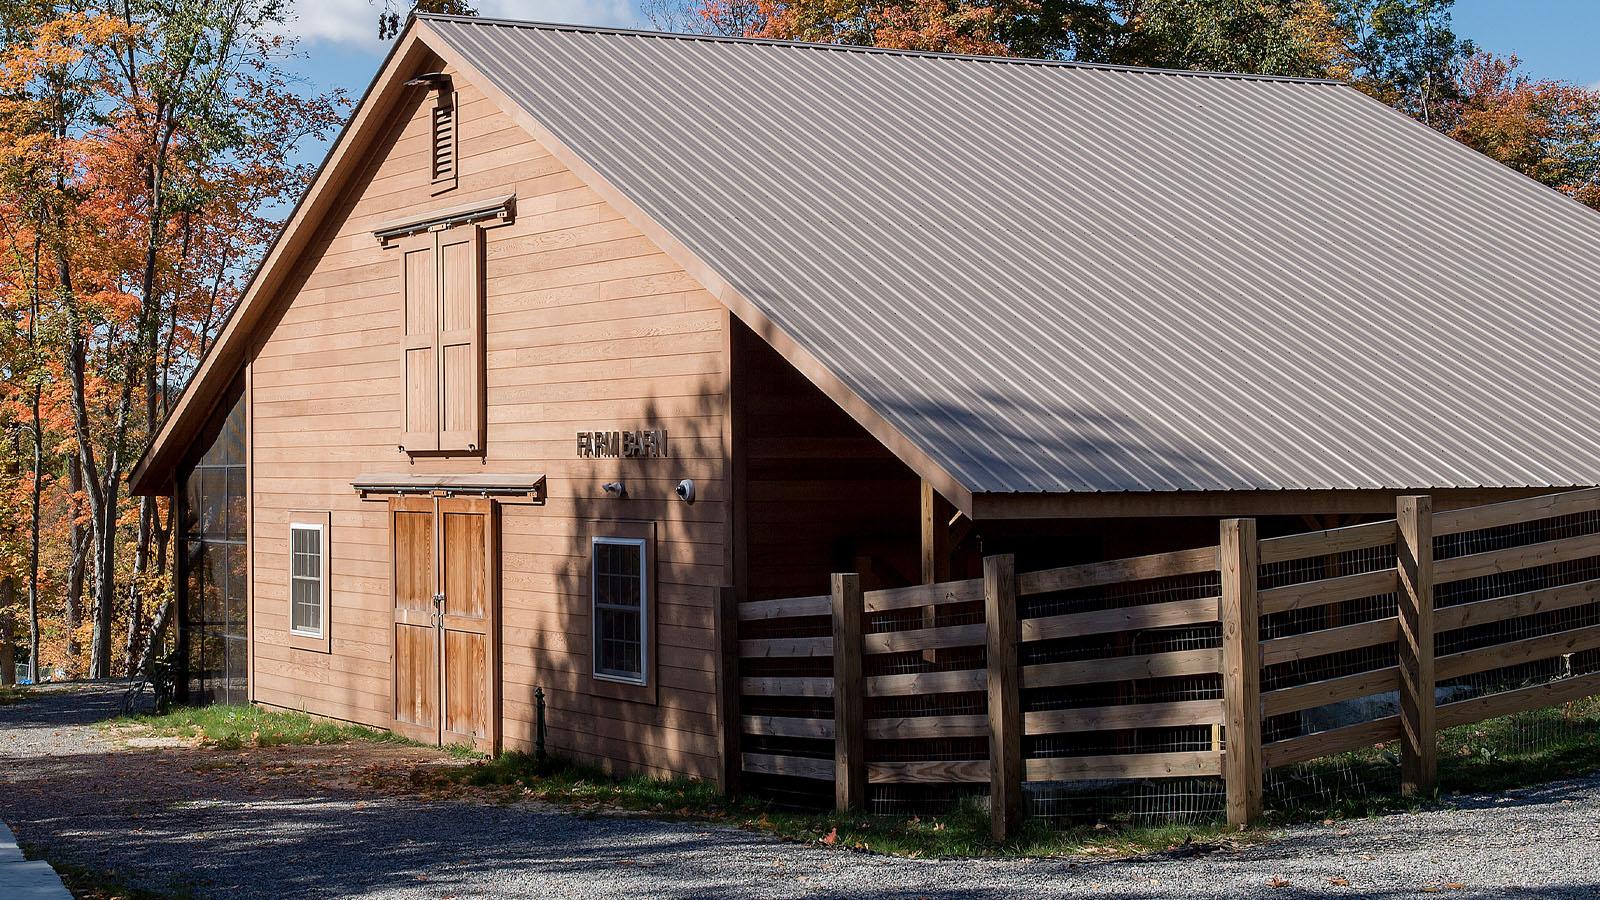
x=1220, y=661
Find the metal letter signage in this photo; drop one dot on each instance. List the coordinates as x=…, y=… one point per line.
x=621, y=444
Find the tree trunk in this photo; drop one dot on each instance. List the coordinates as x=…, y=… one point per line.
x=141, y=564
x=35, y=490
x=73, y=613
x=8, y=638
x=105, y=591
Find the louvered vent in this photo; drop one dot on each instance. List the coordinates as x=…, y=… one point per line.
x=444, y=142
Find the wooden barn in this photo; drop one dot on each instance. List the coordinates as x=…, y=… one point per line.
x=587, y=346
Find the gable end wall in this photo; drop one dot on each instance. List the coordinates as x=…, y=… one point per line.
x=589, y=326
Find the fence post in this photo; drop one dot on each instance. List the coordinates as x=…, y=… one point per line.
x=1414, y=565
x=728, y=688
x=1241, y=670
x=1005, y=695
x=849, y=725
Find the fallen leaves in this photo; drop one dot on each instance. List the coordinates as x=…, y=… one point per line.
x=829, y=839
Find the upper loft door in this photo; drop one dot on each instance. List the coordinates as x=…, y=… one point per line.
x=446, y=626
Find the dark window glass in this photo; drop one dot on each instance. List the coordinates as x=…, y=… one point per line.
x=191, y=505
x=214, y=503
x=216, y=576
x=237, y=526
x=234, y=601
x=619, y=608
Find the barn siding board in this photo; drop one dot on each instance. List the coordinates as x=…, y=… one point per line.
x=587, y=325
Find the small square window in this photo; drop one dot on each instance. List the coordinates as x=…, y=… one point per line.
x=308, y=579
x=619, y=590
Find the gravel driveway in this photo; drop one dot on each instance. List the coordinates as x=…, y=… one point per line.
x=247, y=825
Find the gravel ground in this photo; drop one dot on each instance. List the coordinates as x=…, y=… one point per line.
x=272, y=823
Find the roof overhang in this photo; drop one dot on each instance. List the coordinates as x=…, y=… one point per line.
x=1132, y=504
x=506, y=487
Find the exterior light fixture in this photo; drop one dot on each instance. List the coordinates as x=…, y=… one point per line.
x=431, y=79
x=614, y=488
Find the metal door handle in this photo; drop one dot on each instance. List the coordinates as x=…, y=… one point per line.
x=438, y=609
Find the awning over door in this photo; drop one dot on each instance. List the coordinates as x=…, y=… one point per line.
x=522, y=487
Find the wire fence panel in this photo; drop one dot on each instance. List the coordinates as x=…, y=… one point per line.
x=1119, y=669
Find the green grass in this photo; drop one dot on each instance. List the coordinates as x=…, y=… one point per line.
x=233, y=727
x=1517, y=751
x=12, y=694
x=962, y=832
x=1526, y=749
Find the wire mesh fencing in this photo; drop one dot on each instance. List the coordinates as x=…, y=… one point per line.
x=1122, y=699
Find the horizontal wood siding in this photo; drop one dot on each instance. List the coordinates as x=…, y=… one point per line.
x=588, y=326
x=823, y=495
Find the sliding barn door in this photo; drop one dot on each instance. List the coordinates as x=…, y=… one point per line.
x=468, y=624
x=446, y=621
x=416, y=638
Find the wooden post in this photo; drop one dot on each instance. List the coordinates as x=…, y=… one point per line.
x=849, y=725
x=728, y=688
x=936, y=512
x=1241, y=670
x=1414, y=551
x=1005, y=695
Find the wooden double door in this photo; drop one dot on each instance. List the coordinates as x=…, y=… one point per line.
x=446, y=620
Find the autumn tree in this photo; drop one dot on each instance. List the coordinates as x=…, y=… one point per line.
x=1545, y=129
x=146, y=154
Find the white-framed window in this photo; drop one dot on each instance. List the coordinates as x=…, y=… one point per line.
x=308, y=579
x=619, y=590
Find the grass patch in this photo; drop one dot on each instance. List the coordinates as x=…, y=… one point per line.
x=13, y=694
x=1512, y=752
x=1521, y=750
x=1517, y=751
x=235, y=727
x=964, y=832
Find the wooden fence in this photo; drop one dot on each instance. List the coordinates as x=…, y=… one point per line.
x=1147, y=668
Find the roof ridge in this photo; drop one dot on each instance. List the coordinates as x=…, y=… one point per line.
x=857, y=48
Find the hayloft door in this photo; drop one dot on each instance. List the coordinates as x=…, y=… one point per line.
x=446, y=611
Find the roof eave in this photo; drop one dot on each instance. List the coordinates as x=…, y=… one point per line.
x=1224, y=503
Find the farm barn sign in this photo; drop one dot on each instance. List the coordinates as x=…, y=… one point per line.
x=621, y=444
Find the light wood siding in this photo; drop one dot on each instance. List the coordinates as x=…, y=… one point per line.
x=588, y=326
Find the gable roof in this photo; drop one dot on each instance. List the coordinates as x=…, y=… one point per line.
x=1055, y=277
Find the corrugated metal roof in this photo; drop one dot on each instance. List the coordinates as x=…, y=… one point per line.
x=1074, y=278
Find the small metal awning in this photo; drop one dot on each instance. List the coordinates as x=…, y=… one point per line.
x=522, y=487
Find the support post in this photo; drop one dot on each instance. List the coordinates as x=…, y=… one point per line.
x=936, y=513
x=1241, y=670
x=728, y=688
x=1005, y=695
x=849, y=725
x=935, y=518
x=1414, y=563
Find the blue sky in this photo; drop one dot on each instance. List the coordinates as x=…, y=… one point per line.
x=340, y=46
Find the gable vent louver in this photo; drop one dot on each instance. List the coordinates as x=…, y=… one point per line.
x=445, y=142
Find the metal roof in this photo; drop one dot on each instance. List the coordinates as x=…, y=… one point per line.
x=1067, y=278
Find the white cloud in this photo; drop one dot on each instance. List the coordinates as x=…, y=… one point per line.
x=355, y=22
